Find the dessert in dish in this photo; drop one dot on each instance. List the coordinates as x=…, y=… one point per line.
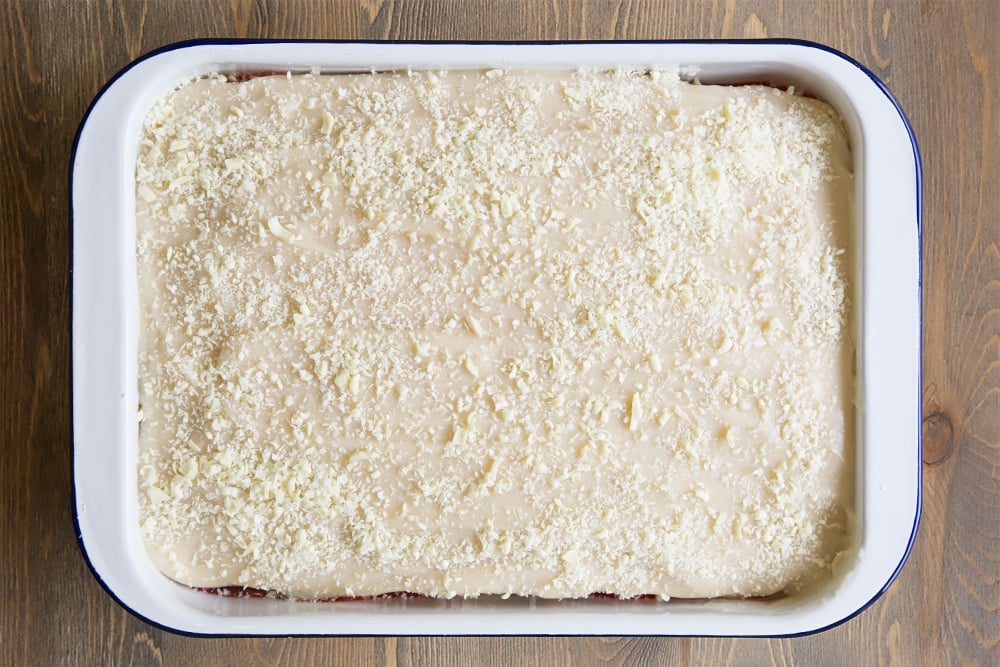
x=540, y=333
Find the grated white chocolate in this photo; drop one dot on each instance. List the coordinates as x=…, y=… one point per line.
x=461, y=333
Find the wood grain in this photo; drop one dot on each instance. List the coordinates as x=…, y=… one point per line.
x=941, y=59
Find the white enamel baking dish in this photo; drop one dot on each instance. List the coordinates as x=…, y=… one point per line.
x=887, y=300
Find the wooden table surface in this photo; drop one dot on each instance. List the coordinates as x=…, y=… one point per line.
x=939, y=57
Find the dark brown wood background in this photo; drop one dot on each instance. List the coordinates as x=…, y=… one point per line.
x=940, y=58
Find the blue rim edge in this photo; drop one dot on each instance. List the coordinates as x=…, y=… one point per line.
x=918, y=174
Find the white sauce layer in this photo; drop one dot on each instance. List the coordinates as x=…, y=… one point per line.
x=535, y=333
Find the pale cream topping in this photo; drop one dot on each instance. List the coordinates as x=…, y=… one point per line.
x=536, y=333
